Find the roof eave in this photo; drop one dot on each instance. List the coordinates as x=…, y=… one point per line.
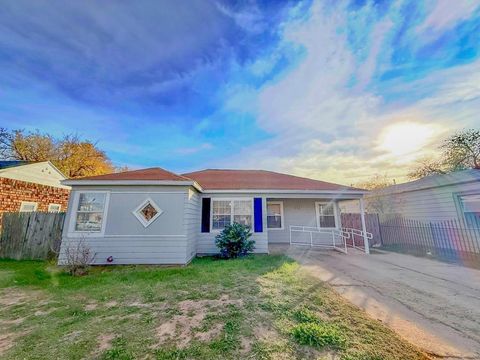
x=81, y=182
x=287, y=191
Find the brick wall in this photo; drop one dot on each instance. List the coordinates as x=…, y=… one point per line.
x=13, y=192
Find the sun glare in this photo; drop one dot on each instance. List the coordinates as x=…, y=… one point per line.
x=406, y=138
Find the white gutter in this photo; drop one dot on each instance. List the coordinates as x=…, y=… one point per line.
x=81, y=182
x=277, y=191
x=197, y=186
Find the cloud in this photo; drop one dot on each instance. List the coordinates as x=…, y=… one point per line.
x=443, y=14
x=330, y=114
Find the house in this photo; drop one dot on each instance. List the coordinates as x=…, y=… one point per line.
x=454, y=196
x=32, y=186
x=153, y=216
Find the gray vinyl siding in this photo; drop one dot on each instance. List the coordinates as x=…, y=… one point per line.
x=165, y=241
x=299, y=212
x=192, y=220
x=206, y=241
x=431, y=204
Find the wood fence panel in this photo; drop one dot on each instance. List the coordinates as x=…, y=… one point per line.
x=34, y=235
x=354, y=221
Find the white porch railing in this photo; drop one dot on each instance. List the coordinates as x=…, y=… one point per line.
x=355, y=232
x=338, y=237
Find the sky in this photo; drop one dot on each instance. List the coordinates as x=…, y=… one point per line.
x=333, y=90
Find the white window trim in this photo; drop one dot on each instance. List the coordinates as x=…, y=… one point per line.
x=281, y=214
x=50, y=206
x=317, y=214
x=73, y=215
x=140, y=218
x=231, y=212
x=26, y=203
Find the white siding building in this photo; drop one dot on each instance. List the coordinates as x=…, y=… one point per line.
x=153, y=216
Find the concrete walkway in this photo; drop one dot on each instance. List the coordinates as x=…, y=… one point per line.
x=433, y=305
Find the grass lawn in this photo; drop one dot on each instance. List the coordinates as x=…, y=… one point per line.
x=261, y=307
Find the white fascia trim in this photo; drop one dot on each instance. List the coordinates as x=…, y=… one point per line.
x=57, y=170
x=270, y=191
x=80, y=182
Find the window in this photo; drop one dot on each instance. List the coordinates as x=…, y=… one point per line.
x=54, y=208
x=28, y=206
x=326, y=215
x=147, y=212
x=226, y=212
x=471, y=209
x=275, y=215
x=90, y=209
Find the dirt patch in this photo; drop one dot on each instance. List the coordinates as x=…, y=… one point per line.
x=43, y=312
x=7, y=340
x=105, y=342
x=181, y=329
x=91, y=306
x=12, y=322
x=12, y=297
x=111, y=304
x=140, y=304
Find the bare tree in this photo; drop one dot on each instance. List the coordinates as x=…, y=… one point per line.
x=458, y=152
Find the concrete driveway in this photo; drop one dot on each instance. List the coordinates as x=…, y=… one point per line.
x=434, y=305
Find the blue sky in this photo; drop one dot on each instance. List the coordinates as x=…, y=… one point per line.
x=336, y=90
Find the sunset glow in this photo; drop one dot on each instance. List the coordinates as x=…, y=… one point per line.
x=406, y=138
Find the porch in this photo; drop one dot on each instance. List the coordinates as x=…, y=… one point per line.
x=314, y=222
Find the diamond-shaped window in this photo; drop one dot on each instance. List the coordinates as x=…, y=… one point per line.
x=147, y=212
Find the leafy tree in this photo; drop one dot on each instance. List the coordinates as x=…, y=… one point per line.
x=71, y=155
x=458, y=152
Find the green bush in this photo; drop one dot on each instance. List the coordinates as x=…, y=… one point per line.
x=304, y=315
x=319, y=335
x=234, y=241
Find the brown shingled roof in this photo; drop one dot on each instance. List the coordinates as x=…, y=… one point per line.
x=216, y=179
x=142, y=174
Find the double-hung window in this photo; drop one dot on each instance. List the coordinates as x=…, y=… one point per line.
x=471, y=209
x=325, y=215
x=275, y=215
x=54, y=208
x=90, y=212
x=28, y=206
x=228, y=211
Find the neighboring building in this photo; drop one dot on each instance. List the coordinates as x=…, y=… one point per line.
x=432, y=198
x=32, y=186
x=154, y=216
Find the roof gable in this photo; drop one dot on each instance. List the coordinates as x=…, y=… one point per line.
x=43, y=172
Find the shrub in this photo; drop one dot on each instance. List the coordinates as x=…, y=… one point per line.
x=78, y=257
x=304, y=315
x=234, y=241
x=319, y=335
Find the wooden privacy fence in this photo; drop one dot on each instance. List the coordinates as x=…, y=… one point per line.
x=452, y=240
x=354, y=221
x=35, y=235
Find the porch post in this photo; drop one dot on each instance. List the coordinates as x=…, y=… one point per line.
x=364, y=227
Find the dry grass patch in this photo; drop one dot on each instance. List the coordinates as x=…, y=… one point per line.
x=240, y=309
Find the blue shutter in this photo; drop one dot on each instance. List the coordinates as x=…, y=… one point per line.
x=206, y=215
x=257, y=215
